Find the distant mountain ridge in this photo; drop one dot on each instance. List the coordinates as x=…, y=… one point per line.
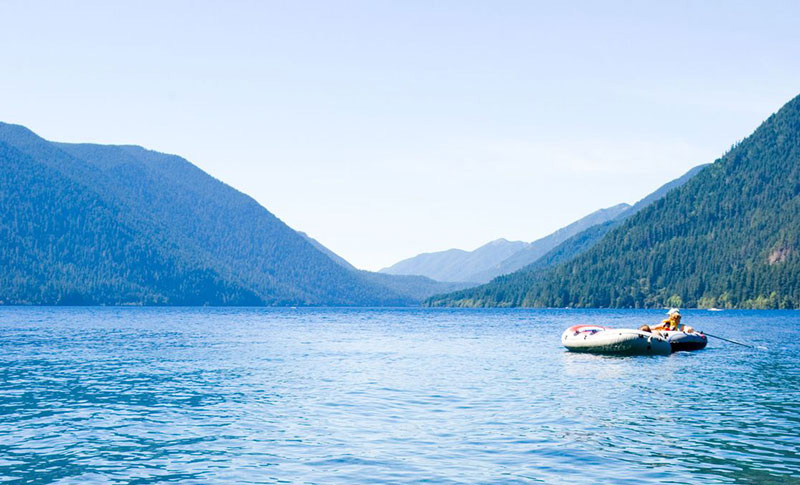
x=456, y=264
x=535, y=250
x=727, y=238
x=411, y=286
x=497, y=257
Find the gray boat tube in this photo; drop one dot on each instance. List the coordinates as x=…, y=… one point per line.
x=614, y=341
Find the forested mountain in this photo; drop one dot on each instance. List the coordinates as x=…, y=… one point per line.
x=729, y=237
x=95, y=224
x=63, y=244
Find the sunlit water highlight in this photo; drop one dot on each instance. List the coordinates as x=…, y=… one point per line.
x=225, y=396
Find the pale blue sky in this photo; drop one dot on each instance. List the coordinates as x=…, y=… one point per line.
x=385, y=129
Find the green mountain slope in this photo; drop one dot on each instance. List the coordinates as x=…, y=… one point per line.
x=161, y=224
x=63, y=244
x=511, y=289
x=727, y=238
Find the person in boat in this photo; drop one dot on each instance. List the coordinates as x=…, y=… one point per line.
x=673, y=323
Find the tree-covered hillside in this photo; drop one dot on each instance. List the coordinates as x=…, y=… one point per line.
x=62, y=244
x=123, y=225
x=727, y=238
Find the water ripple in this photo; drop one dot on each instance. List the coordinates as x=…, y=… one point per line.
x=141, y=396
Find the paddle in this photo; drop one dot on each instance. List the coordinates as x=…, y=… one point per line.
x=759, y=347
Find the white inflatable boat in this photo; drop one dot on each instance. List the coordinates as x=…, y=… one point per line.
x=680, y=341
x=604, y=340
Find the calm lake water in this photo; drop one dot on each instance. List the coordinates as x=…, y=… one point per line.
x=229, y=396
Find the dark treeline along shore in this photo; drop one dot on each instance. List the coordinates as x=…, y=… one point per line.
x=727, y=238
x=84, y=224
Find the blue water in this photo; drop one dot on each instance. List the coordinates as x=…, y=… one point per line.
x=228, y=396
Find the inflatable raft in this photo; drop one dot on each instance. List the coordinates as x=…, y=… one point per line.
x=680, y=341
x=604, y=340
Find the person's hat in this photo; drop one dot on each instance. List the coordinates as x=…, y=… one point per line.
x=674, y=311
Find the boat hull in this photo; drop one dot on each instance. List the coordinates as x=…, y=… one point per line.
x=682, y=342
x=604, y=340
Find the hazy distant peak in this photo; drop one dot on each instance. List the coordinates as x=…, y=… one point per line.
x=499, y=242
x=495, y=257
x=456, y=264
x=616, y=208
